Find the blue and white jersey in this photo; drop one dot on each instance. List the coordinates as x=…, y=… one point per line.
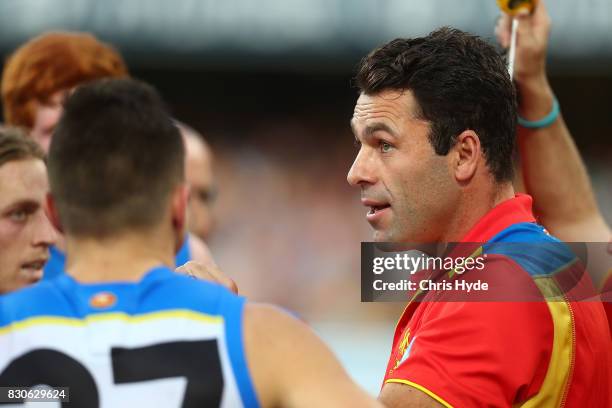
x=165, y=341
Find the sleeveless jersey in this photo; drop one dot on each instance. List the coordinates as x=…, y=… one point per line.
x=165, y=341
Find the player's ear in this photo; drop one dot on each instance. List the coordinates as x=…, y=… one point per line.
x=466, y=155
x=52, y=214
x=178, y=203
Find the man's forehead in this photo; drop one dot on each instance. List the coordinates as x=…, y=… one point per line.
x=18, y=196
x=387, y=106
x=30, y=167
x=23, y=180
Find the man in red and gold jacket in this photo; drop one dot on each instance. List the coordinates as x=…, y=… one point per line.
x=435, y=122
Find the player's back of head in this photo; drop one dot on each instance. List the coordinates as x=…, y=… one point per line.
x=115, y=159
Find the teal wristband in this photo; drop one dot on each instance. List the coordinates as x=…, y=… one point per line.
x=545, y=121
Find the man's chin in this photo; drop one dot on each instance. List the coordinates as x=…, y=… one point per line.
x=395, y=237
x=381, y=236
x=30, y=276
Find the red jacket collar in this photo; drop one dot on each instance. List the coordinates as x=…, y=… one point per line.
x=500, y=217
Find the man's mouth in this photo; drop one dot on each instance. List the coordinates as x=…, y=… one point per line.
x=34, y=269
x=376, y=208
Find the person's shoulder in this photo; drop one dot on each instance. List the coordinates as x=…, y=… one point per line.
x=276, y=329
x=35, y=295
x=531, y=247
x=264, y=317
x=186, y=285
x=178, y=291
x=278, y=332
x=35, y=301
x=524, y=232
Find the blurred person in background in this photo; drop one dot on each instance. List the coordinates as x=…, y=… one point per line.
x=435, y=122
x=37, y=78
x=554, y=173
x=200, y=178
x=114, y=329
x=25, y=231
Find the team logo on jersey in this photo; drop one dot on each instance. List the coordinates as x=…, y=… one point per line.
x=403, y=350
x=102, y=300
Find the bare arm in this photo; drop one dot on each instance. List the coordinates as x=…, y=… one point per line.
x=291, y=367
x=554, y=173
x=395, y=395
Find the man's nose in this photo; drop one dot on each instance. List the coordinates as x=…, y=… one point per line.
x=363, y=169
x=44, y=233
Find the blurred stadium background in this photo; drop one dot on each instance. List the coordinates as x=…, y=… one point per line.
x=268, y=83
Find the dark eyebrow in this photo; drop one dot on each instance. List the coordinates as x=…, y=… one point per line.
x=379, y=126
x=28, y=205
x=372, y=128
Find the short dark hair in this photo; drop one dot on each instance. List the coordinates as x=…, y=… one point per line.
x=14, y=146
x=115, y=158
x=459, y=81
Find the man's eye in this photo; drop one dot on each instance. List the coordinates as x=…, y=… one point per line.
x=18, y=215
x=205, y=195
x=385, y=147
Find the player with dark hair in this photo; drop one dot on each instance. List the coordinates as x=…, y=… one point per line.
x=25, y=231
x=121, y=327
x=435, y=121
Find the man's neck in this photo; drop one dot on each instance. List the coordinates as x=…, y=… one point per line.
x=475, y=206
x=123, y=258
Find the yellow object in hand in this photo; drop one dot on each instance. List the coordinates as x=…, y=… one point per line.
x=514, y=7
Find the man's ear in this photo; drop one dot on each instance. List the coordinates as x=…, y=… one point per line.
x=179, y=199
x=52, y=214
x=467, y=155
